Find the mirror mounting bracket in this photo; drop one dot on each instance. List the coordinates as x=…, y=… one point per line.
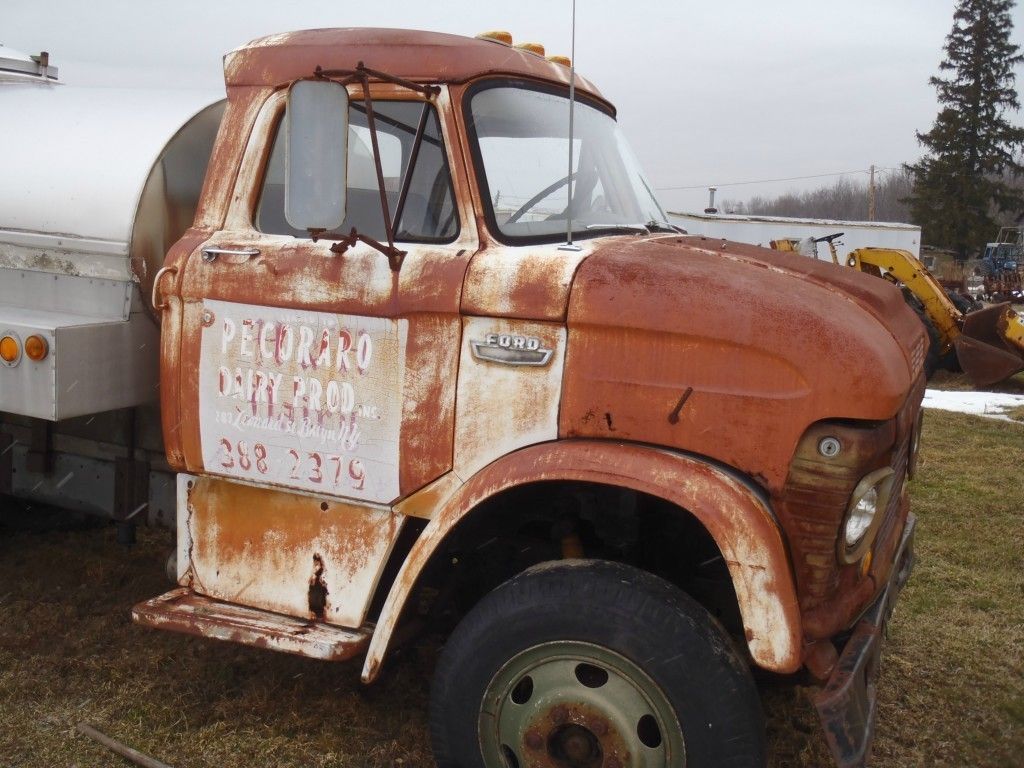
x=395, y=255
x=363, y=75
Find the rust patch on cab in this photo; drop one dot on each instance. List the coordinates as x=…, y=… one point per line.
x=646, y=324
x=286, y=552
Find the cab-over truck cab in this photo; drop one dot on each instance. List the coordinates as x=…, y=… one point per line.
x=415, y=374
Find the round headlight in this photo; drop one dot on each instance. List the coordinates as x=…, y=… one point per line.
x=860, y=517
x=864, y=514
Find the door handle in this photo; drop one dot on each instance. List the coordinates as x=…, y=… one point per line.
x=155, y=298
x=231, y=255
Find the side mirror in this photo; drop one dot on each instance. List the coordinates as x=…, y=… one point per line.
x=316, y=155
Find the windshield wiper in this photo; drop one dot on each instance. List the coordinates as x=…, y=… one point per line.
x=639, y=229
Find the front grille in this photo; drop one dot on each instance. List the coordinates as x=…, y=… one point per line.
x=817, y=492
x=901, y=458
x=918, y=355
x=814, y=516
x=892, y=508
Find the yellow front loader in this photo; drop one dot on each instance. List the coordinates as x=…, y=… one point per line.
x=988, y=343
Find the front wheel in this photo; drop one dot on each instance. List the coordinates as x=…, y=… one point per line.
x=592, y=664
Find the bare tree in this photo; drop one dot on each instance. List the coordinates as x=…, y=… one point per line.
x=845, y=199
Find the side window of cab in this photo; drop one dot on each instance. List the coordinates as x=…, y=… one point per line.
x=429, y=214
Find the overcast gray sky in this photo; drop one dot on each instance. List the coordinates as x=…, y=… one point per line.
x=708, y=92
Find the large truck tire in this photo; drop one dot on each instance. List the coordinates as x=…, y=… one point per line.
x=964, y=304
x=934, y=359
x=589, y=663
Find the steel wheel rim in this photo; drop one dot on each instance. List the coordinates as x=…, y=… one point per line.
x=570, y=704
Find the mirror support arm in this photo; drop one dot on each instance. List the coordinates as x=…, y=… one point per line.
x=362, y=75
x=411, y=166
x=372, y=125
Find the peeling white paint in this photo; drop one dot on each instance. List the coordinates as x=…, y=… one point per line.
x=501, y=407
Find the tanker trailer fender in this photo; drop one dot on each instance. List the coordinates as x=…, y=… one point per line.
x=738, y=519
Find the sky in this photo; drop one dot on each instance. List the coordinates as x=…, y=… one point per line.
x=708, y=93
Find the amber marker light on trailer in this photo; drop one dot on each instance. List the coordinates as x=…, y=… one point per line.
x=36, y=347
x=10, y=350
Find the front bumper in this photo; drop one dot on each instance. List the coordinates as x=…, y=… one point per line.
x=847, y=703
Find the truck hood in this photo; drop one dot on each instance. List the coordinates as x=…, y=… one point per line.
x=879, y=297
x=673, y=339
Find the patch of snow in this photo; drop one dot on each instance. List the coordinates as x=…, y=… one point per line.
x=991, y=405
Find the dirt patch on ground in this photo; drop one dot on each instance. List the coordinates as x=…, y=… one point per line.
x=951, y=694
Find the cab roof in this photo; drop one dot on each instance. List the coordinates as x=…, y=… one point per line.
x=432, y=57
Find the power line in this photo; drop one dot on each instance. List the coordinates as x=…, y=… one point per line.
x=770, y=181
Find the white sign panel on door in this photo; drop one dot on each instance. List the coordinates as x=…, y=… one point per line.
x=308, y=400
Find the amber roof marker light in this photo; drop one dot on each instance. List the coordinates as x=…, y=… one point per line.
x=10, y=349
x=36, y=347
x=534, y=48
x=496, y=36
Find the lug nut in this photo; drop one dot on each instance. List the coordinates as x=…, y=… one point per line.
x=597, y=727
x=559, y=715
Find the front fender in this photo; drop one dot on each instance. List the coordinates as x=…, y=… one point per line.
x=741, y=524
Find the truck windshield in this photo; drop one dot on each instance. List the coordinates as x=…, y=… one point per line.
x=521, y=146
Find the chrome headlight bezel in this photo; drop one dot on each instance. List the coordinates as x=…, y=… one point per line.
x=881, y=482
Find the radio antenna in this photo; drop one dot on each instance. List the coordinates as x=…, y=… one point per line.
x=569, y=245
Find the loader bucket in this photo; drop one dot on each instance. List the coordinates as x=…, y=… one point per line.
x=985, y=350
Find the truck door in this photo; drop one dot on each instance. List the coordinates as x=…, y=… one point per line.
x=310, y=354
x=322, y=372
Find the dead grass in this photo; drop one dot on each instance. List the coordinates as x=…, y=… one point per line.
x=959, y=382
x=69, y=653
x=951, y=694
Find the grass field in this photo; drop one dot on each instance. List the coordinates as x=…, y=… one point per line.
x=951, y=694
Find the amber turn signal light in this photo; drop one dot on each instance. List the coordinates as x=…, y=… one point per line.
x=36, y=348
x=865, y=564
x=9, y=350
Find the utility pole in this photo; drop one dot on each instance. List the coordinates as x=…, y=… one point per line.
x=871, y=195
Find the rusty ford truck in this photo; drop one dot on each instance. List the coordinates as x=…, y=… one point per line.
x=415, y=375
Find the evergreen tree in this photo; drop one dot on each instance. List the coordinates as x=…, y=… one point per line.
x=972, y=146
